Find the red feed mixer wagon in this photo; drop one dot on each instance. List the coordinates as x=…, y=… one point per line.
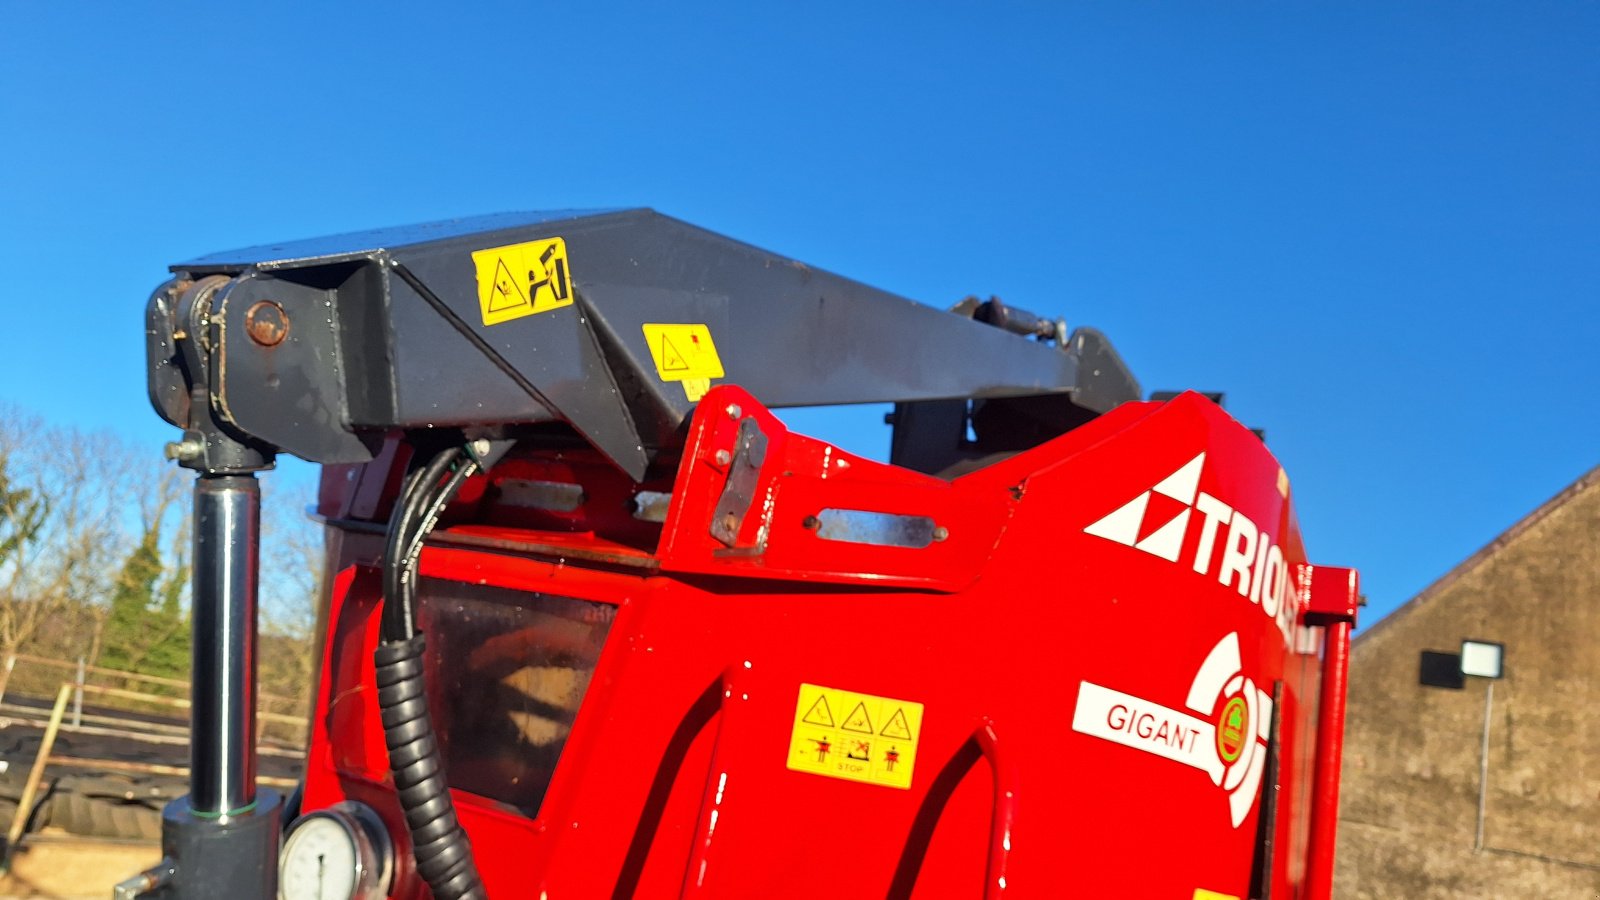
x=600, y=625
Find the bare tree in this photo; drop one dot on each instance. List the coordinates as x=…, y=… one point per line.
x=292, y=554
x=81, y=518
x=65, y=564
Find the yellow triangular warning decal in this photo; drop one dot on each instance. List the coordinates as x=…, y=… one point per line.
x=897, y=727
x=820, y=714
x=671, y=359
x=506, y=293
x=858, y=720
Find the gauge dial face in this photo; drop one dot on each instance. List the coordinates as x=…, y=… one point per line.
x=321, y=861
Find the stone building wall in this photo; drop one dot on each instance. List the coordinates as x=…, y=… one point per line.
x=1411, y=761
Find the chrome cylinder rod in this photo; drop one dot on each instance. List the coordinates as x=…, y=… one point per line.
x=222, y=754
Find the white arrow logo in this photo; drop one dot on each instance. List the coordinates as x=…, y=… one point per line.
x=1127, y=521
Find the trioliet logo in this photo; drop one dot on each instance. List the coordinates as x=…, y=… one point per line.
x=1226, y=740
x=1158, y=521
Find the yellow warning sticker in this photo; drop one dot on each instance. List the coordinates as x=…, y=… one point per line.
x=522, y=279
x=684, y=353
x=858, y=737
x=1203, y=894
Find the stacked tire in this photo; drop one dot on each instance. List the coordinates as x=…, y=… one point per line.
x=114, y=806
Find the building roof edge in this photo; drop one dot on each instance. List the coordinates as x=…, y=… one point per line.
x=1504, y=539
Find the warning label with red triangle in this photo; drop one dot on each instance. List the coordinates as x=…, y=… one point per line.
x=822, y=743
x=684, y=352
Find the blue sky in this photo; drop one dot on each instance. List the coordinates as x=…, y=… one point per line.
x=1375, y=226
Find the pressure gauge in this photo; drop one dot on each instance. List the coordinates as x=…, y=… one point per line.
x=338, y=853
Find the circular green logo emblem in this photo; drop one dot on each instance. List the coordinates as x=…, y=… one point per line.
x=1233, y=729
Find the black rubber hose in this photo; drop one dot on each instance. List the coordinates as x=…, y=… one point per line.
x=412, y=551
x=398, y=622
x=440, y=847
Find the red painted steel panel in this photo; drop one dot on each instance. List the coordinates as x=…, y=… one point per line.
x=1094, y=668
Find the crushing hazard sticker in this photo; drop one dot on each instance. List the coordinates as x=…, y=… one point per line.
x=522, y=279
x=858, y=737
x=686, y=354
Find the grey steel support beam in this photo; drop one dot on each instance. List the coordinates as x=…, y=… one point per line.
x=329, y=345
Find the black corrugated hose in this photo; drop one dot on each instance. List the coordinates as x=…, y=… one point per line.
x=439, y=845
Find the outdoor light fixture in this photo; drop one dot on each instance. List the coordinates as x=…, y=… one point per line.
x=1441, y=670
x=1485, y=659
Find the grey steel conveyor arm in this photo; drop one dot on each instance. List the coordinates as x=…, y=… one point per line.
x=322, y=346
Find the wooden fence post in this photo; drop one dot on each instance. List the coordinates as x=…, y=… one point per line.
x=77, y=698
x=5, y=677
x=19, y=822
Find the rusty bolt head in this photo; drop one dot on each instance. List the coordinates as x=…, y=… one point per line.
x=730, y=523
x=734, y=411
x=183, y=451
x=811, y=523
x=723, y=457
x=941, y=533
x=267, y=323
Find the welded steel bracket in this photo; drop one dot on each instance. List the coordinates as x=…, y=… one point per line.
x=744, y=473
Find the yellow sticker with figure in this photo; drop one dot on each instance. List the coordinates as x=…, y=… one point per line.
x=522, y=279
x=684, y=353
x=857, y=737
